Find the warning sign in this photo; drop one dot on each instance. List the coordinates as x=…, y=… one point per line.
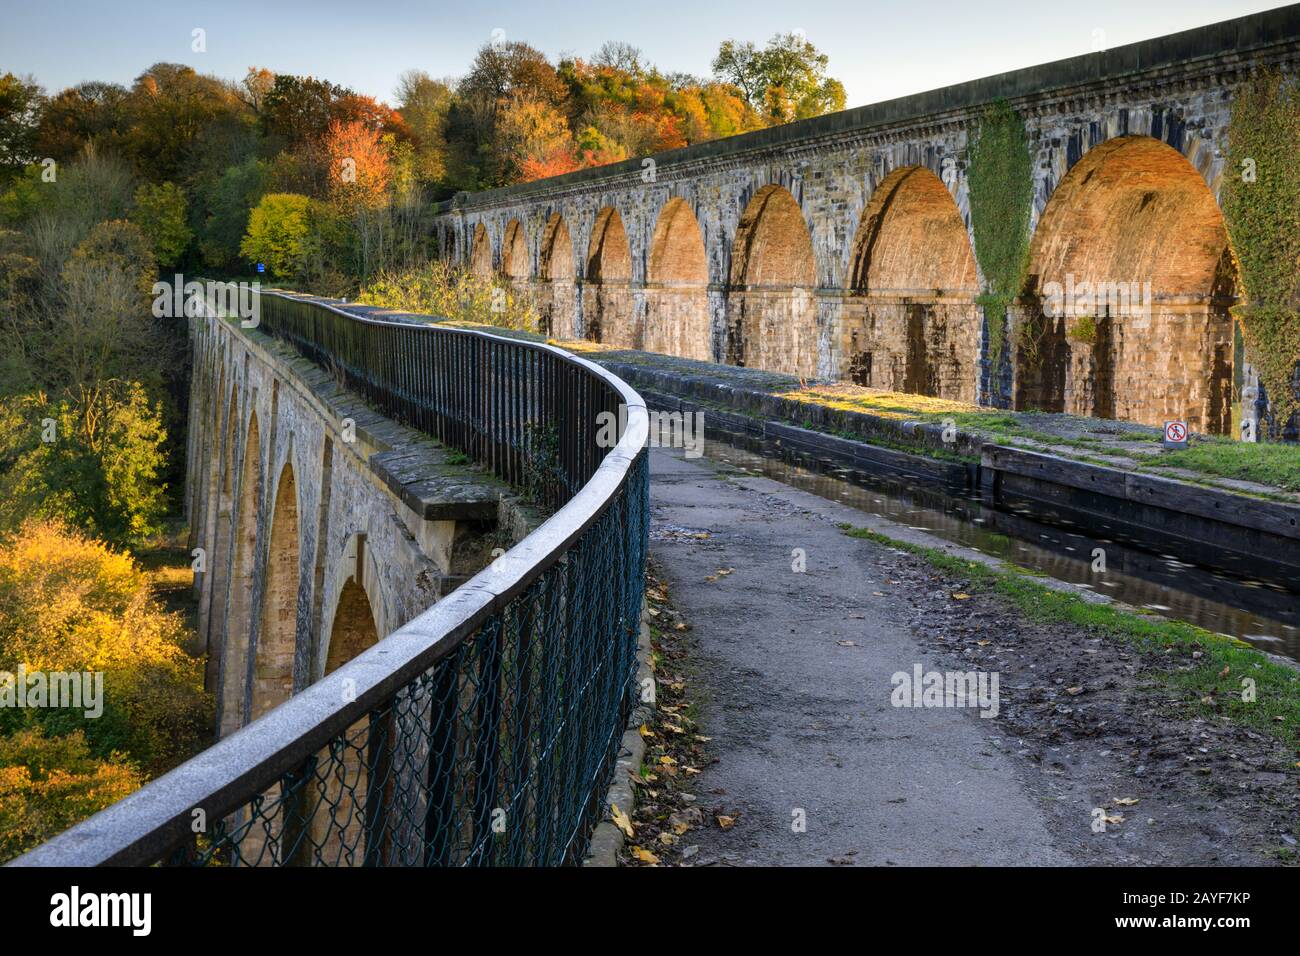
x=1175, y=435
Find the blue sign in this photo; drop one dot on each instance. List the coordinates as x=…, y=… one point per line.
x=261, y=267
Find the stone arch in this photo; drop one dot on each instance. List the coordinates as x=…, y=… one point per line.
x=480, y=256
x=677, y=287
x=607, y=289
x=239, y=615
x=338, y=822
x=1130, y=282
x=277, y=636
x=220, y=559
x=772, y=303
x=514, y=253
x=910, y=322
x=558, y=303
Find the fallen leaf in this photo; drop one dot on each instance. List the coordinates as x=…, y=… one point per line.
x=621, y=820
x=1125, y=801
x=726, y=822
x=1226, y=669
x=847, y=643
x=667, y=761
x=644, y=855
x=646, y=731
x=960, y=596
x=1074, y=691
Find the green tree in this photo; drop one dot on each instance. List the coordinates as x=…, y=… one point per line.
x=230, y=201
x=21, y=100
x=280, y=234
x=160, y=214
x=785, y=81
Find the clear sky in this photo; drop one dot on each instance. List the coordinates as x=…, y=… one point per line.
x=878, y=49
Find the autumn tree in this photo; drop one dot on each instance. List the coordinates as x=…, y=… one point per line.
x=279, y=234
x=168, y=109
x=424, y=104
x=91, y=112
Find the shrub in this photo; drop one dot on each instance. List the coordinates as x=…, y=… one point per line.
x=442, y=290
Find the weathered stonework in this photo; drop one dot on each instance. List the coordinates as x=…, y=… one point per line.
x=324, y=526
x=841, y=247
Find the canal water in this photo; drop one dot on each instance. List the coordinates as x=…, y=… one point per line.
x=1262, y=613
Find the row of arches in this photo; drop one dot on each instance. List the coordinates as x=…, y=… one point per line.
x=1132, y=231
x=254, y=633
x=266, y=621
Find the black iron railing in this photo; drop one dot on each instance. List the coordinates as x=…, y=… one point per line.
x=484, y=732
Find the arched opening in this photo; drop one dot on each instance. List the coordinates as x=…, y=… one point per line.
x=771, y=305
x=338, y=821
x=277, y=634
x=514, y=254
x=239, y=616
x=220, y=558
x=1131, y=280
x=911, y=323
x=607, y=291
x=480, y=253
x=677, y=287
x=212, y=448
x=558, y=303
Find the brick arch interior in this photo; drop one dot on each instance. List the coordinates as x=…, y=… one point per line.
x=772, y=308
x=480, y=255
x=514, y=255
x=677, y=296
x=239, y=616
x=607, y=292
x=277, y=633
x=557, y=296
x=1130, y=281
x=910, y=322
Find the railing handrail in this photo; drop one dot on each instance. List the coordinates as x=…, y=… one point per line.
x=144, y=825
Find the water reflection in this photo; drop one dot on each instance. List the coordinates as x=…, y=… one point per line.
x=1262, y=613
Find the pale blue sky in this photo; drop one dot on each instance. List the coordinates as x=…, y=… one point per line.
x=879, y=49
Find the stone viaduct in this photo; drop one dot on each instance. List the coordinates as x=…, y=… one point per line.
x=323, y=526
x=842, y=247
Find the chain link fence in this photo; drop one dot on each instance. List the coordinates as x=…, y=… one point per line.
x=484, y=732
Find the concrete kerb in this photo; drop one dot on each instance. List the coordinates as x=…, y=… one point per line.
x=607, y=839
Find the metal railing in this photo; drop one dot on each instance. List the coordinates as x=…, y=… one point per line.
x=485, y=731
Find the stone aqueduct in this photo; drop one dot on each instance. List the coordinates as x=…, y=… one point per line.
x=311, y=549
x=842, y=247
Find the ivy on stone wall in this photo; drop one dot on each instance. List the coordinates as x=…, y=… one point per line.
x=1001, y=177
x=1261, y=204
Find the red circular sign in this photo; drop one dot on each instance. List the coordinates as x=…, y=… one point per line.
x=1175, y=431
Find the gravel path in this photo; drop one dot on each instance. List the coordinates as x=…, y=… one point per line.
x=793, y=674
x=800, y=717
